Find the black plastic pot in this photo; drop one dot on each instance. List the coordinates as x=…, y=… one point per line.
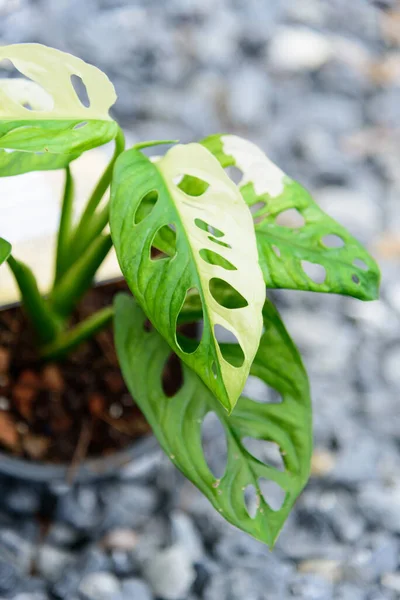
x=137, y=458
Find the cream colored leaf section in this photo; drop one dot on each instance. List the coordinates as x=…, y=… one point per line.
x=25, y=92
x=257, y=168
x=223, y=209
x=52, y=70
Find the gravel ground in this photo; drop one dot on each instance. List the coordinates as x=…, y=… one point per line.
x=317, y=83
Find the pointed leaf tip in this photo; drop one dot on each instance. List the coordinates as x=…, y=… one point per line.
x=152, y=206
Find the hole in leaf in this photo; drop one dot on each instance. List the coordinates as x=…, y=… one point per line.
x=265, y=451
x=80, y=90
x=229, y=346
x=272, y=493
x=188, y=336
x=80, y=125
x=164, y=237
x=192, y=186
x=223, y=244
x=7, y=68
x=215, y=446
x=234, y=173
x=251, y=500
x=276, y=250
x=32, y=98
x=214, y=370
x=355, y=278
x=290, y=218
x=208, y=228
x=172, y=376
x=256, y=389
x=260, y=219
x=226, y=295
x=332, y=241
x=317, y=273
x=357, y=262
x=145, y=207
x=212, y=258
x=256, y=207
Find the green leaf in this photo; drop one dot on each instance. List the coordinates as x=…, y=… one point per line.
x=45, y=113
x=177, y=420
x=79, y=277
x=65, y=226
x=147, y=205
x=17, y=163
x=319, y=255
x=5, y=250
x=45, y=322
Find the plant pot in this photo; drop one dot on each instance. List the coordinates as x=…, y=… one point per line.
x=138, y=458
x=138, y=451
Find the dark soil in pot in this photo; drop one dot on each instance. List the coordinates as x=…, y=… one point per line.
x=65, y=412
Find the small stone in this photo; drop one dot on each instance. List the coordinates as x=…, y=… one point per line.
x=62, y=535
x=170, y=573
x=120, y=539
x=94, y=560
x=391, y=368
x=32, y=596
x=23, y=500
x=186, y=535
x=80, y=508
x=124, y=564
x=376, y=555
x=358, y=212
x=391, y=581
x=248, y=96
x=51, y=562
x=66, y=587
x=322, y=462
x=311, y=587
x=9, y=578
x=328, y=569
x=298, y=49
x=249, y=583
x=129, y=505
x=17, y=548
x=99, y=586
x=136, y=589
x=380, y=505
x=236, y=548
x=350, y=591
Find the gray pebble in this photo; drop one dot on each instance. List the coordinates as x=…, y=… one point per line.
x=170, y=573
x=99, y=586
x=185, y=534
x=135, y=589
x=52, y=561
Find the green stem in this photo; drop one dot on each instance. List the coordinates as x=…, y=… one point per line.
x=77, y=280
x=68, y=340
x=82, y=239
x=46, y=323
x=65, y=228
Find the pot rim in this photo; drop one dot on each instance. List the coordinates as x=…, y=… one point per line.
x=137, y=458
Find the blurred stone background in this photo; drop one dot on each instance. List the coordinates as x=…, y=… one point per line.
x=317, y=84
